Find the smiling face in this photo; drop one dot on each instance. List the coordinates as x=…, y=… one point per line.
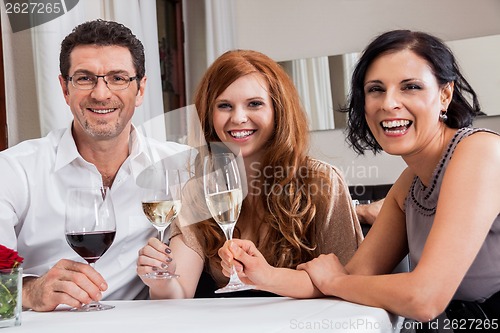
x=244, y=115
x=100, y=113
x=403, y=101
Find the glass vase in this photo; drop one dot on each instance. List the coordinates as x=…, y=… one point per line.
x=11, y=291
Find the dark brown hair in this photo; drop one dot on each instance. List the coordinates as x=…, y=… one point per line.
x=102, y=33
x=444, y=66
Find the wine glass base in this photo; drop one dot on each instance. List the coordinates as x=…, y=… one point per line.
x=96, y=306
x=160, y=275
x=230, y=287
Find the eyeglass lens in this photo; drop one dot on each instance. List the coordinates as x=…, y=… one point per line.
x=89, y=81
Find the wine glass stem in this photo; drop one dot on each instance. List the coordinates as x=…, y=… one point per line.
x=93, y=303
x=161, y=233
x=234, y=274
x=228, y=232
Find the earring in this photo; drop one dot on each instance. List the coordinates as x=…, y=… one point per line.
x=443, y=117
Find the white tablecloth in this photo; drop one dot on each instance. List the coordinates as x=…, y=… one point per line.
x=234, y=315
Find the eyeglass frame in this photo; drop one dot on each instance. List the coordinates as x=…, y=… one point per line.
x=130, y=79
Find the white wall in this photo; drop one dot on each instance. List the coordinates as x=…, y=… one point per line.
x=292, y=29
x=479, y=59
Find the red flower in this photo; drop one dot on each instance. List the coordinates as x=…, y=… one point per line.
x=9, y=258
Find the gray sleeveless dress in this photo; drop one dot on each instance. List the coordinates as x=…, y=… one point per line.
x=483, y=278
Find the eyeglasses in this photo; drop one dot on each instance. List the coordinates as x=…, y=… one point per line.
x=84, y=81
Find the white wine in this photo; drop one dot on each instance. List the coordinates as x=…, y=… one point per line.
x=225, y=206
x=161, y=213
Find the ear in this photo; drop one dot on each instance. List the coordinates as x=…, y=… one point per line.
x=447, y=95
x=64, y=87
x=140, y=93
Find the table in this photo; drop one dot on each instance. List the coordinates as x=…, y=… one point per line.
x=203, y=315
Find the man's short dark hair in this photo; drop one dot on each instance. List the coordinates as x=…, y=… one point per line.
x=102, y=33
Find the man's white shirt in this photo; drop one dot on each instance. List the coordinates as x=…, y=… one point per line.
x=34, y=178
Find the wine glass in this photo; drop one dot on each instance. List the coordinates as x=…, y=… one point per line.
x=90, y=228
x=224, y=195
x=161, y=203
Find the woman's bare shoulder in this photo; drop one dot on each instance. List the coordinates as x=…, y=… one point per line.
x=401, y=187
x=479, y=142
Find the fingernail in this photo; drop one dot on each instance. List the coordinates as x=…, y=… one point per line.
x=164, y=266
x=104, y=286
x=168, y=250
x=155, y=269
x=169, y=259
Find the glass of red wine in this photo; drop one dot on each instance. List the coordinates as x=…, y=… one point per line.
x=90, y=228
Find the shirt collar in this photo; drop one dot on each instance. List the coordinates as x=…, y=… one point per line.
x=139, y=159
x=67, y=151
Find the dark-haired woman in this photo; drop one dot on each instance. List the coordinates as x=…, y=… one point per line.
x=409, y=98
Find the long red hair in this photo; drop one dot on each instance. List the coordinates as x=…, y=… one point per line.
x=290, y=216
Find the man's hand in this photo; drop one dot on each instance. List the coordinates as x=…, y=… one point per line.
x=367, y=213
x=68, y=282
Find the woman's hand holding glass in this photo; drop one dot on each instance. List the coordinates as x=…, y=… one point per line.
x=248, y=262
x=152, y=257
x=161, y=204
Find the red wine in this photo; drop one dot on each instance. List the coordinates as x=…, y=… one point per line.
x=90, y=245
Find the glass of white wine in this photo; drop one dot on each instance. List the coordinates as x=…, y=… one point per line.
x=161, y=203
x=224, y=195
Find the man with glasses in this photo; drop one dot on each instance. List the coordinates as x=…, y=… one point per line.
x=103, y=81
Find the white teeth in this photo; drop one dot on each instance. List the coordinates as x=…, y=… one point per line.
x=398, y=131
x=102, y=111
x=395, y=123
x=240, y=134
